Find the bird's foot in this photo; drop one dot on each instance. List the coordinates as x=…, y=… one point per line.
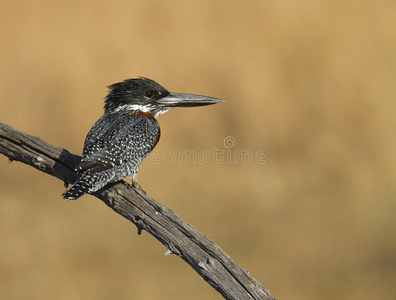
x=137, y=187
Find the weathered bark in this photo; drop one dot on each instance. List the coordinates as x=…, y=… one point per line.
x=180, y=238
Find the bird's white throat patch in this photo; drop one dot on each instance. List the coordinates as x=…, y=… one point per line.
x=134, y=107
x=153, y=109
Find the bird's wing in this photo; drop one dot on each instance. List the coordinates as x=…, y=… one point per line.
x=114, y=140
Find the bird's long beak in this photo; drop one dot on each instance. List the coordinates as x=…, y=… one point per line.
x=187, y=100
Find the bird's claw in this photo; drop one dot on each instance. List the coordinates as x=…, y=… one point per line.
x=137, y=187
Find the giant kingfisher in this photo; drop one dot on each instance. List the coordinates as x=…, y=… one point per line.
x=127, y=132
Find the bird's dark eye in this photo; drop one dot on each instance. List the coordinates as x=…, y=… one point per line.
x=150, y=94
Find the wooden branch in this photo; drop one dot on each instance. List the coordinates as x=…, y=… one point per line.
x=180, y=238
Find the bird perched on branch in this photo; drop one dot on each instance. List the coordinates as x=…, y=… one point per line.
x=127, y=132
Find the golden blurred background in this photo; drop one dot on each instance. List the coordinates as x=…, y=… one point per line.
x=310, y=85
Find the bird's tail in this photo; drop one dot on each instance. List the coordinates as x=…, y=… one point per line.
x=79, y=188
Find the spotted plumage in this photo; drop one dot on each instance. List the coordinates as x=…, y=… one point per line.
x=127, y=132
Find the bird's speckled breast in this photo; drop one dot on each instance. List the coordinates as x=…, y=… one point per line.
x=149, y=115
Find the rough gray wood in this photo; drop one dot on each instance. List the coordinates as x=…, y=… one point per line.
x=180, y=238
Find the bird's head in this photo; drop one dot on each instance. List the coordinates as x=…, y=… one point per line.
x=145, y=95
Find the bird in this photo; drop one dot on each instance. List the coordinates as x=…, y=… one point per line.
x=128, y=131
